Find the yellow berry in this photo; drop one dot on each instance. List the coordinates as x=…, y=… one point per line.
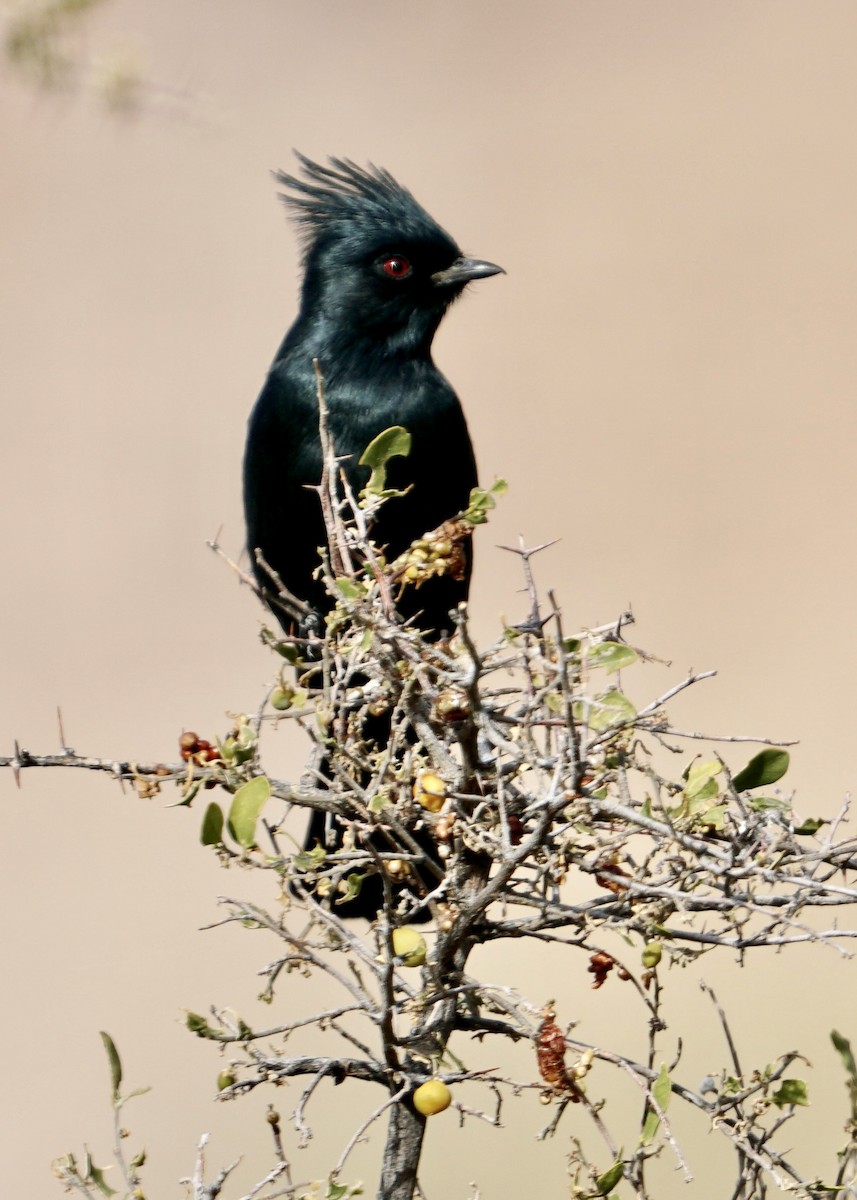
x=430, y=791
x=651, y=955
x=432, y=1097
x=409, y=946
x=281, y=698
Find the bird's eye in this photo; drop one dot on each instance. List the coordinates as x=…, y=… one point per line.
x=396, y=267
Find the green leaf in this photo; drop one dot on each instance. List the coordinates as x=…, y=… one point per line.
x=661, y=1093
x=339, y=1191
x=97, y=1176
x=702, y=801
x=843, y=1045
x=714, y=818
x=198, y=1025
x=390, y=443
x=809, y=826
x=350, y=589
x=606, y=1182
x=766, y=767
x=610, y=708
x=768, y=804
x=791, y=1091
x=700, y=777
x=378, y=802
x=211, y=833
x=308, y=860
x=244, y=811
x=662, y=1089
x=353, y=884
x=612, y=656
x=115, y=1063
x=188, y=796
x=482, y=500
x=650, y=1127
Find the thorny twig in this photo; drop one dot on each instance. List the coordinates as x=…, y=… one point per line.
x=550, y=774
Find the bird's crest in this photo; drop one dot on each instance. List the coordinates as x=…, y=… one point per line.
x=335, y=200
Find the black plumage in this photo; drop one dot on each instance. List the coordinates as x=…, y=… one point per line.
x=379, y=274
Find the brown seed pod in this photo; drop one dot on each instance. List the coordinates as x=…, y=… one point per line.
x=600, y=964
x=550, y=1055
x=609, y=874
x=550, y=1051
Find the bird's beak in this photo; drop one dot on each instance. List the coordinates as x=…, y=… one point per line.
x=463, y=270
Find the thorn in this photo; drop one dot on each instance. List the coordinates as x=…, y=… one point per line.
x=67, y=750
x=527, y=552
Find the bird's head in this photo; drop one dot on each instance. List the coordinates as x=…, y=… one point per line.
x=376, y=265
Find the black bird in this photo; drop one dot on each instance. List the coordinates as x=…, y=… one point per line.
x=379, y=274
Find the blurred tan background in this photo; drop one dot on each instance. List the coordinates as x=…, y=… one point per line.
x=666, y=377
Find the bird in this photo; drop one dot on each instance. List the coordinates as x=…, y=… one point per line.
x=379, y=274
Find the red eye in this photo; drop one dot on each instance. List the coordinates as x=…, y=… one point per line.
x=396, y=267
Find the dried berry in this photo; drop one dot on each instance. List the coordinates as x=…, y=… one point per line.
x=452, y=706
x=188, y=743
x=600, y=965
x=608, y=873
